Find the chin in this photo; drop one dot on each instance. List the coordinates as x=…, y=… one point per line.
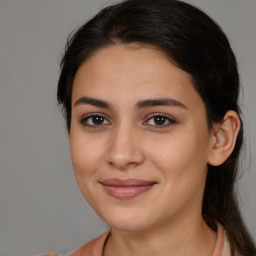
x=129, y=226
x=128, y=220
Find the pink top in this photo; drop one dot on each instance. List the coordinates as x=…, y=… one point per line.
x=95, y=247
x=222, y=247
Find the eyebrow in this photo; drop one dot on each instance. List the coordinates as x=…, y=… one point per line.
x=92, y=101
x=160, y=102
x=139, y=105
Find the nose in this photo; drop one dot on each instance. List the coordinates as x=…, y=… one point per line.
x=124, y=151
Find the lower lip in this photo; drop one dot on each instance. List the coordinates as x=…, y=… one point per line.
x=126, y=192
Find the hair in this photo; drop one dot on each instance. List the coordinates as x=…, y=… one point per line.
x=196, y=44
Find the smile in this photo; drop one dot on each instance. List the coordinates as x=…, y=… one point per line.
x=126, y=189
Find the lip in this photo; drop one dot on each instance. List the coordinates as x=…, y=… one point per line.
x=126, y=189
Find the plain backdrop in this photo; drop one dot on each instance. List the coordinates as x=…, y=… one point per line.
x=41, y=209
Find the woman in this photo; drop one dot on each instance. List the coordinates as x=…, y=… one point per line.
x=149, y=90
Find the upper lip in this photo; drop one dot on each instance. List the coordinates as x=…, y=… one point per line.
x=126, y=182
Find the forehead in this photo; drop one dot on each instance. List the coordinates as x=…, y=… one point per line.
x=132, y=72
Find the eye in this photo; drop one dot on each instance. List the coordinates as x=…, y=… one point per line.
x=95, y=120
x=160, y=121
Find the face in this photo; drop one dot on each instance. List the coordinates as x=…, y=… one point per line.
x=139, y=138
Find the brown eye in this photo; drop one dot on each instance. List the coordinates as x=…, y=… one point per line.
x=95, y=120
x=160, y=121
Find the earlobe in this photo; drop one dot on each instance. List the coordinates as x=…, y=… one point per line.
x=224, y=138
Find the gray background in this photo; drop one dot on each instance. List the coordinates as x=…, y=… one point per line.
x=41, y=208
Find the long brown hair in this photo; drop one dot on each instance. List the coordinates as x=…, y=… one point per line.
x=197, y=45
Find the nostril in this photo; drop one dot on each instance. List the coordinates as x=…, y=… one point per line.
x=125, y=161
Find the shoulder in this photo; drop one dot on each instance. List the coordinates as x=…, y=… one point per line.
x=53, y=254
x=94, y=247
x=48, y=254
x=227, y=248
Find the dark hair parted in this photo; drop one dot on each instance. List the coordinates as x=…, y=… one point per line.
x=196, y=44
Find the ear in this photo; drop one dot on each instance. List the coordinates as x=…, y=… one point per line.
x=224, y=138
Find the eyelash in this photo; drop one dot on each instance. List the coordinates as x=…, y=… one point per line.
x=169, y=120
x=165, y=117
x=84, y=120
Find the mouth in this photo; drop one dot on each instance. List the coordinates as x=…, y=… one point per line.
x=126, y=189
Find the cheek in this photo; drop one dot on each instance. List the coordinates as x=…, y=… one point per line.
x=183, y=166
x=84, y=155
x=85, y=159
x=183, y=154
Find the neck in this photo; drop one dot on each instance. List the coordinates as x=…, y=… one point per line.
x=176, y=238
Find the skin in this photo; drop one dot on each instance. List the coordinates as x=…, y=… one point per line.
x=129, y=143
